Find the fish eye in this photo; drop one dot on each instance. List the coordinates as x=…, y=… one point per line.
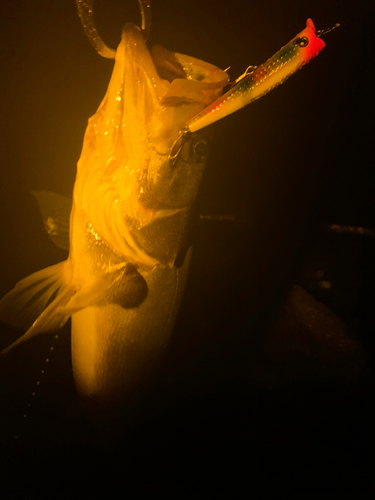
x=301, y=41
x=200, y=148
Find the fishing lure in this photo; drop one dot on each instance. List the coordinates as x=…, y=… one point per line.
x=258, y=82
x=142, y=160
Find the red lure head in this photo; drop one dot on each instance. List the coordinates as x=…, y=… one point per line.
x=308, y=38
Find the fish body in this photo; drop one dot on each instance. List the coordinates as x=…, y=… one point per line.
x=117, y=340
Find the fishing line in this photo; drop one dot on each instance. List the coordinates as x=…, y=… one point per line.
x=86, y=15
x=320, y=33
x=33, y=395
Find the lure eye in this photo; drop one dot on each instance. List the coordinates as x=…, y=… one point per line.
x=200, y=149
x=301, y=41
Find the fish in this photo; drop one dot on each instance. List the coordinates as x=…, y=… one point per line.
x=129, y=222
x=143, y=158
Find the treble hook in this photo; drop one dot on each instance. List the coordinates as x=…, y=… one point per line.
x=178, y=144
x=85, y=13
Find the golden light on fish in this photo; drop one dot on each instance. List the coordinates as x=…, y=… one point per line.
x=137, y=180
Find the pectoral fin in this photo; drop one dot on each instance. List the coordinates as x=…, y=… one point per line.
x=92, y=292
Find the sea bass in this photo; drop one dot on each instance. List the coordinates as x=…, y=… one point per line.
x=142, y=161
x=128, y=223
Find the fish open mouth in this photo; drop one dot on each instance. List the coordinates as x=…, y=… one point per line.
x=180, y=84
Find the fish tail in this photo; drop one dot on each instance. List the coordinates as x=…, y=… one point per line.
x=34, y=303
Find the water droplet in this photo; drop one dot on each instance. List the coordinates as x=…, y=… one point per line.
x=47, y=360
x=51, y=348
x=56, y=336
x=38, y=382
x=41, y=371
x=24, y=415
x=33, y=393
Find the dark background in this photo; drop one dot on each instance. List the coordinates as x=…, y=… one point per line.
x=246, y=398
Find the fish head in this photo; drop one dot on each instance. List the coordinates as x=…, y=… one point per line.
x=173, y=176
x=125, y=179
